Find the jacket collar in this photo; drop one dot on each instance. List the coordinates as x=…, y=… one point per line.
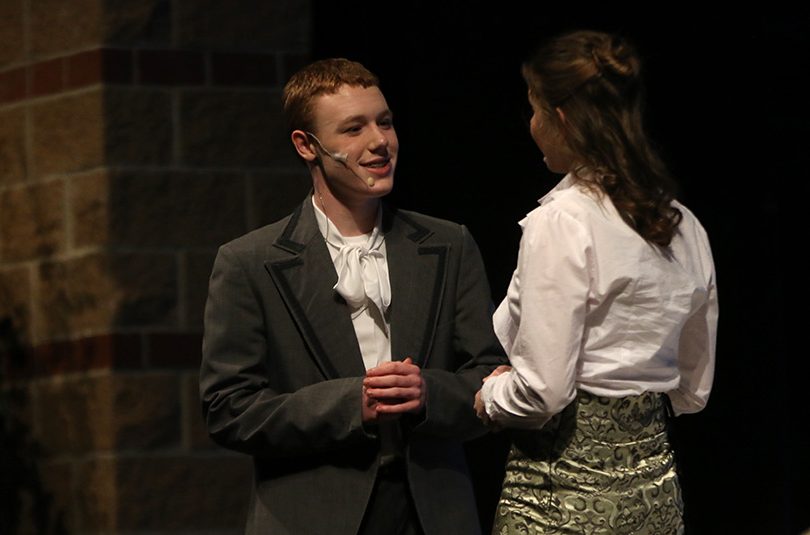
x=305, y=276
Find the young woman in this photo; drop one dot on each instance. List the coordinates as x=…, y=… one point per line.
x=610, y=318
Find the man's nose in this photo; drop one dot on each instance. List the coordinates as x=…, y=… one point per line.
x=379, y=139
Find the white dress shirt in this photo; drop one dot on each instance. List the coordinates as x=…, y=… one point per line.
x=593, y=306
x=362, y=269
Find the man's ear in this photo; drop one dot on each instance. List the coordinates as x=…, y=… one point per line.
x=303, y=145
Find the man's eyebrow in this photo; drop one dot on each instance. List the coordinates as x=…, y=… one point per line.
x=353, y=118
x=360, y=117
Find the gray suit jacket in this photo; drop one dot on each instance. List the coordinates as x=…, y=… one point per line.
x=282, y=372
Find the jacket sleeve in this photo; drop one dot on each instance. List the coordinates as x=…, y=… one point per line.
x=449, y=411
x=241, y=409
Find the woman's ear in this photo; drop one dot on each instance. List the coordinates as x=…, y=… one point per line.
x=303, y=145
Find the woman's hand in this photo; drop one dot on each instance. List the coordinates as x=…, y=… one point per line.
x=503, y=368
x=480, y=411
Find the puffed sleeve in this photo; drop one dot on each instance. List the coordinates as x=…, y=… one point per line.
x=696, y=351
x=542, y=320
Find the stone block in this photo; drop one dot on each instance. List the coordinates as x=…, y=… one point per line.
x=145, y=22
x=73, y=416
x=57, y=497
x=32, y=221
x=157, y=209
x=197, y=273
x=182, y=493
x=138, y=126
x=275, y=195
x=57, y=26
x=97, y=495
x=108, y=413
x=15, y=303
x=89, y=209
x=18, y=408
x=42, y=495
x=12, y=32
x=233, y=128
x=195, y=432
x=68, y=133
x=158, y=494
x=13, y=159
x=256, y=25
x=98, y=293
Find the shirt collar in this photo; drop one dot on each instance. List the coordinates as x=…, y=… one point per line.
x=333, y=236
x=566, y=182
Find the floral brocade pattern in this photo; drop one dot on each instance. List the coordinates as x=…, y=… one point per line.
x=603, y=466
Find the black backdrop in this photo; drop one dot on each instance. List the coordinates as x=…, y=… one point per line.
x=728, y=107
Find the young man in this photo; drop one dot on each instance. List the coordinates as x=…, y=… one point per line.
x=344, y=344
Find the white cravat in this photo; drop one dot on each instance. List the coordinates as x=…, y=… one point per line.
x=362, y=270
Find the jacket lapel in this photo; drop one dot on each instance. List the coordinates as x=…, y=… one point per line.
x=304, y=277
x=417, y=274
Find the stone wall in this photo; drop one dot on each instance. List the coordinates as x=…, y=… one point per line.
x=135, y=137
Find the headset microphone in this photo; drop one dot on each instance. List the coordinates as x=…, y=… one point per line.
x=342, y=158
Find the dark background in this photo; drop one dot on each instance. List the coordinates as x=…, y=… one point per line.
x=727, y=104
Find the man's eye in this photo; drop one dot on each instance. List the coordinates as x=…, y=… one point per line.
x=353, y=129
x=386, y=123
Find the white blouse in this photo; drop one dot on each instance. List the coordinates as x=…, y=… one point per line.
x=593, y=306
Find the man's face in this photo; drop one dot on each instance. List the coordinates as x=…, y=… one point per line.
x=356, y=122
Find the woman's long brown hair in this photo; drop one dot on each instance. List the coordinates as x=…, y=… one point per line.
x=594, y=79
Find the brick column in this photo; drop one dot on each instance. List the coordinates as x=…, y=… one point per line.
x=135, y=137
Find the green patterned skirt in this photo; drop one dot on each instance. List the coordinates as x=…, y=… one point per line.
x=602, y=466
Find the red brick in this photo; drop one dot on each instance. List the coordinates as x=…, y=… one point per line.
x=117, y=66
x=243, y=69
x=170, y=67
x=47, y=77
x=174, y=350
x=84, y=69
x=116, y=351
x=12, y=85
x=101, y=65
